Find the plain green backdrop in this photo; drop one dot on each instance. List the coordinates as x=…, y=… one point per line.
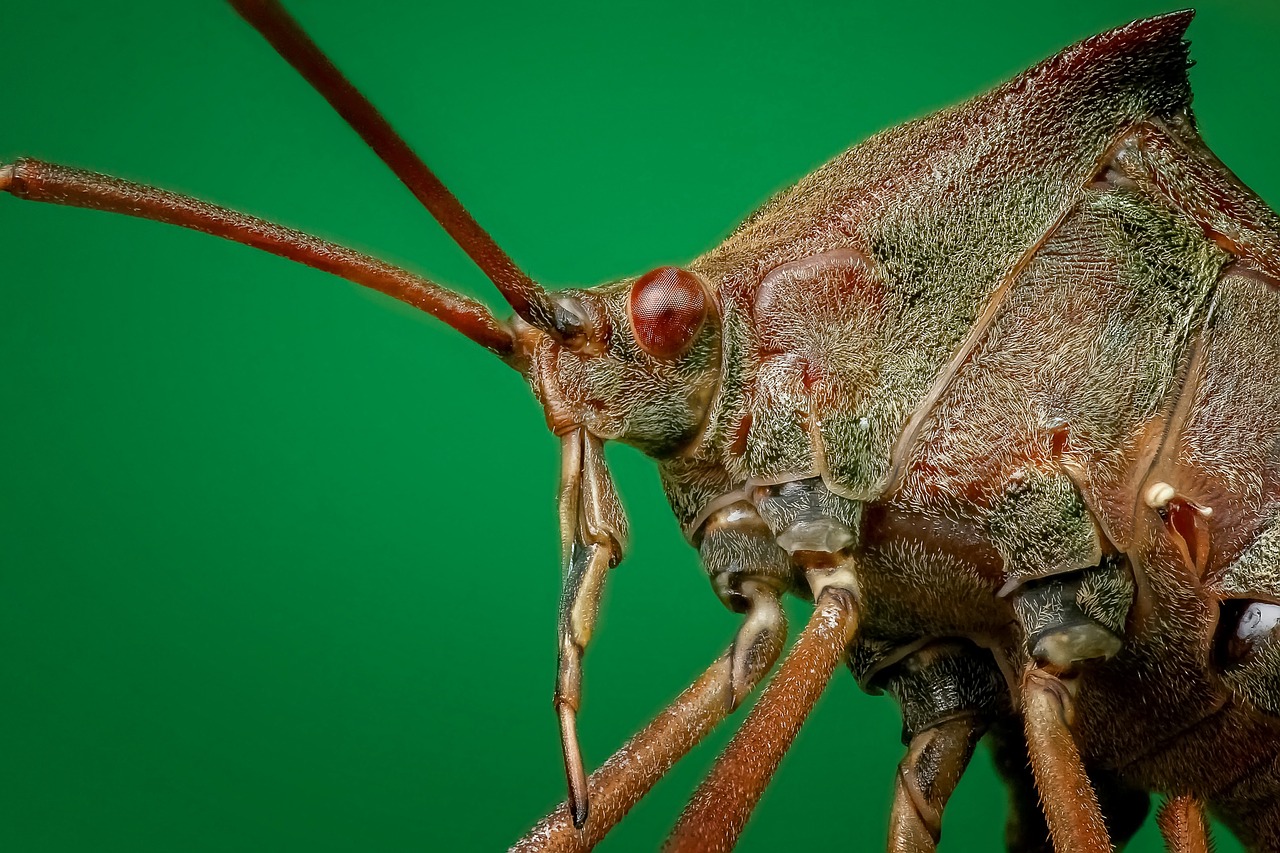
x=278, y=560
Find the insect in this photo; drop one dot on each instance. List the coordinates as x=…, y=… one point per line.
x=594, y=658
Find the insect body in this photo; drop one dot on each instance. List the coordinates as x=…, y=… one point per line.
x=959, y=387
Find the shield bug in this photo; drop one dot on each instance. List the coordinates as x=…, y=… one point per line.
x=850, y=264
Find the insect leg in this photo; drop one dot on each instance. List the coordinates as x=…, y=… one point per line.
x=593, y=531
x=948, y=693
x=35, y=180
x=749, y=573
x=1070, y=804
x=1025, y=828
x=1183, y=826
x=1124, y=808
x=634, y=769
x=927, y=776
x=1072, y=600
x=719, y=809
x=747, y=569
x=1068, y=620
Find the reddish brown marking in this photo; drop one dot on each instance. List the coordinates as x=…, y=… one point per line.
x=938, y=533
x=1130, y=39
x=741, y=435
x=1225, y=243
x=812, y=375
x=1059, y=441
x=668, y=307
x=1190, y=531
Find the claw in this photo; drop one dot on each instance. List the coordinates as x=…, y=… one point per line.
x=568, y=696
x=758, y=640
x=574, y=770
x=6, y=176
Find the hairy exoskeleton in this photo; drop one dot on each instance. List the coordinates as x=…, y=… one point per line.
x=999, y=390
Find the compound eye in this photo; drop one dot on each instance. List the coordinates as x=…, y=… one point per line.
x=668, y=308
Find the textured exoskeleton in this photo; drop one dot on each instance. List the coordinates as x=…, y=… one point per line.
x=998, y=389
x=1012, y=364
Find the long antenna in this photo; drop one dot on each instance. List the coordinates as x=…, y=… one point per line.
x=284, y=33
x=35, y=180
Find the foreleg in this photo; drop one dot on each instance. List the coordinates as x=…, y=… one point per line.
x=635, y=768
x=720, y=807
x=749, y=573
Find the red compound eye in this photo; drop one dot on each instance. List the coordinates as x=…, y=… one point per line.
x=668, y=307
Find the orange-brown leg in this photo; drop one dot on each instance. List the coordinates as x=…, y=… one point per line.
x=1070, y=804
x=636, y=767
x=1183, y=825
x=1025, y=828
x=927, y=776
x=1124, y=808
x=720, y=807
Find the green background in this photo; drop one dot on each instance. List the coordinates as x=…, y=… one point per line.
x=278, y=556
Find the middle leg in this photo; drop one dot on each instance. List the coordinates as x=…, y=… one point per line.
x=949, y=692
x=716, y=815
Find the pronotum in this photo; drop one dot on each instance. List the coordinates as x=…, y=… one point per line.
x=236, y=314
